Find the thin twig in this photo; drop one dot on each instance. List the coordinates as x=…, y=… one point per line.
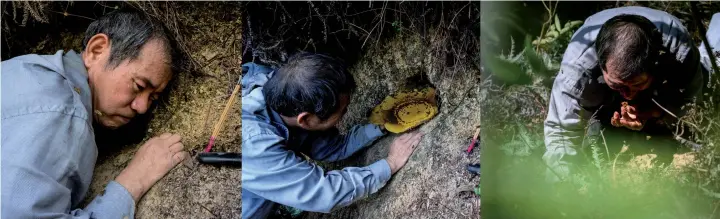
x=672, y=114
x=68, y=14
x=622, y=150
x=605, y=143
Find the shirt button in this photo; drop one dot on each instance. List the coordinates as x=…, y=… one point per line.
x=125, y=217
x=77, y=89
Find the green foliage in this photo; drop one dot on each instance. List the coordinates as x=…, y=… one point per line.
x=598, y=160
x=523, y=142
x=556, y=33
x=536, y=63
x=600, y=188
x=525, y=68
x=507, y=71
x=397, y=25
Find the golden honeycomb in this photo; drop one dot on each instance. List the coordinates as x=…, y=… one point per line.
x=405, y=110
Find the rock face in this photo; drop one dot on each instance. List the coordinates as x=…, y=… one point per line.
x=434, y=183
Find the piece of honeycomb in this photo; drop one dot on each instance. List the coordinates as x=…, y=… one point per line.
x=405, y=110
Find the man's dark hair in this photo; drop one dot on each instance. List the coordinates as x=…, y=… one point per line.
x=308, y=83
x=631, y=43
x=128, y=31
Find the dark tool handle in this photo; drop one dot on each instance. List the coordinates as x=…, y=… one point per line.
x=221, y=158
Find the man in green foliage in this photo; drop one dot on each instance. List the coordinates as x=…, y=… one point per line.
x=633, y=68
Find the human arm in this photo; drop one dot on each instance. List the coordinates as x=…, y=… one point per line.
x=331, y=146
x=279, y=175
x=565, y=123
x=45, y=159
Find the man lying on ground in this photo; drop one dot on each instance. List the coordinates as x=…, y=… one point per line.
x=619, y=68
x=294, y=110
x=49, y=104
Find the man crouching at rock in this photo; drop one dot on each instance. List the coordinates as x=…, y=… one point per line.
x=49, y=104
x=294, y=110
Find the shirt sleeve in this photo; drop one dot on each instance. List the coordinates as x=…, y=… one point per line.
x=331, y=146
x=41, y=177
x=279, y=175
x=564, y=126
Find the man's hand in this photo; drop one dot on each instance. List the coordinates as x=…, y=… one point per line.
x=629, y=117
x=401, y=149
x=151, y=162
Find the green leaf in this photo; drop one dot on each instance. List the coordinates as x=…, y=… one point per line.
x=574, y=24
x=552, y=34
x=507, y=71
x=477, y=190
x=558, y=25
x=536, y=63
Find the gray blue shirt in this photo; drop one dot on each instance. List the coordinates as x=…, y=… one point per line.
x=48, y=145
x=274, y=171
x=579, y=90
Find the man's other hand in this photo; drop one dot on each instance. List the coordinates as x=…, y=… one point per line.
x=401, y=149
x=151, y=162
x=630, y=117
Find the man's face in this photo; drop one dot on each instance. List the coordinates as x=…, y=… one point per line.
x=121, y=93
x=628, y=88
x=315, y=124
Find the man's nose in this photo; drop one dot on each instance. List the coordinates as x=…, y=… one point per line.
x=629, y=95
x=141, y=103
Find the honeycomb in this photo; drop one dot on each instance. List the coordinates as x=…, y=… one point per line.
x=405, y=110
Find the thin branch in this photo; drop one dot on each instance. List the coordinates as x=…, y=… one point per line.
x=68, y=14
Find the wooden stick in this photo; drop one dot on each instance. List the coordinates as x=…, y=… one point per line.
x=230, y=102
x=222, y=118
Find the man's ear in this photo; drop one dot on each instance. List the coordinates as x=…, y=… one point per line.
x=304, y=120
x=96, y=50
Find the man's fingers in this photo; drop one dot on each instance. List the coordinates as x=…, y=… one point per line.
x=177, y=147
x=165, y=135
x=173, y=139
x=625, y=114
x=416, y=139
x=632, y=112
x=615, y=119
x=632, y=115
x=631, y=109
x=631, y=124
x=408, y=136
x=179, y=157
x=404, y=137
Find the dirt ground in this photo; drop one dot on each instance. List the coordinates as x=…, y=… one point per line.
x=211, y=35
x=434, y=183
